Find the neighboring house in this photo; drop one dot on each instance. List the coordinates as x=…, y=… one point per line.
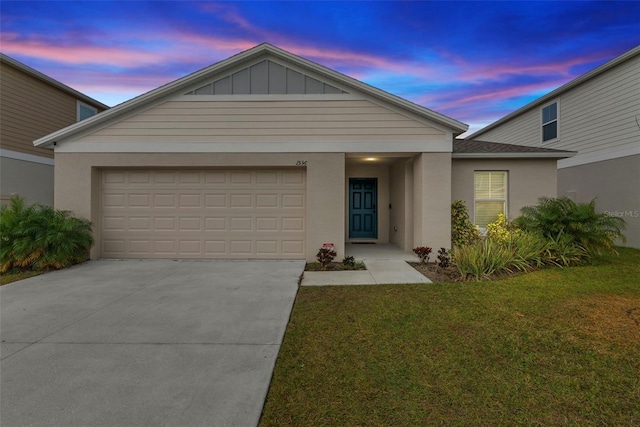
x=598, y=116
x=33, y=105
x=269, y=155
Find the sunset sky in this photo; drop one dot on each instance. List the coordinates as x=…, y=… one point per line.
x=474, y=61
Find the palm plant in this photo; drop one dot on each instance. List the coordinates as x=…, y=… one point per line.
x=41, y=238
x=579, y=222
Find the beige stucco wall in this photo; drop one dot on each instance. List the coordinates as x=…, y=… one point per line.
x=432, y=200
x=77, y=190
x=381, y=172
x=401, y=200
x=615, y=184
x=528, y=179
x=33, y=181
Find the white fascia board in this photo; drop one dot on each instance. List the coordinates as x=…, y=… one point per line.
x=16, y=155
x=252, y=147
x=586, y=159
x=511, y=155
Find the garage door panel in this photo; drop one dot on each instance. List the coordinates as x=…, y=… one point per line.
x=267, y=177
x=293, y=177
x=139, y=177
x=203, y=214
x=190, y=201
x=267, y=224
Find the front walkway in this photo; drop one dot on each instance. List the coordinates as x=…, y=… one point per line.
x=385, y=263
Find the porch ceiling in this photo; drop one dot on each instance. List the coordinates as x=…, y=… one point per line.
x=376, y=158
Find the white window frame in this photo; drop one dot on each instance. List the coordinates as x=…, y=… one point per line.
x=543, y=123
x=505, y=200
x=81, y=104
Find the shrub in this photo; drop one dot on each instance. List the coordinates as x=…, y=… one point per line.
x=479, y=260
x=423, y=253
x=41, y=238
x=463, y=232
x=578, y=223
x=500, y=230
x=564, y=251
x=349, y=261
x=325, y=256
x=443, y=258
x=518, y=251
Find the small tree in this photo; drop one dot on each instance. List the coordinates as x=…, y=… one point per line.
x=463, y=232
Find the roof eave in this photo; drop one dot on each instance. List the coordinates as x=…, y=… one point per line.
x=234, y=60
x=133, y=103
x=372, y=90
x=513, y=155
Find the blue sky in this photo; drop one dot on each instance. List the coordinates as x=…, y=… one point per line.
x=474, y=61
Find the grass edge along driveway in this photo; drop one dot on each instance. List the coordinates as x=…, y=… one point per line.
x=553, y=347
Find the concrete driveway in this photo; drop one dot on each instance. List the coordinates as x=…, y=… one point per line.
x=144, y=342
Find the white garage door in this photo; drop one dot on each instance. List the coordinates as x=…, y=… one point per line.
x=203, y=214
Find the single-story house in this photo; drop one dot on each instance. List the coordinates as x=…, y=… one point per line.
x=270, y=155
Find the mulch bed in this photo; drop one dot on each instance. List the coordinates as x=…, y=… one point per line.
x=436, y=274
x=430, y=270
x=450, y=274
x=334, y=266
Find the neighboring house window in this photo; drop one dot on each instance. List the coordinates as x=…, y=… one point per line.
x=550, y=122
x=490, y=196
x=85, y=111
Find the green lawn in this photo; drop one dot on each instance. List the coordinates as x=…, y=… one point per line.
x=554, y=347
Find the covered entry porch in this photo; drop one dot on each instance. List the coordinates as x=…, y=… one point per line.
x=402, y=199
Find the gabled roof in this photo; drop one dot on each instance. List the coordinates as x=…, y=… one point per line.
x=233, y=61
x=469, y=148
x=40, y=76
x=562, y=89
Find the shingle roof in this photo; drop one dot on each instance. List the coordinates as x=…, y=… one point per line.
x=475, y=148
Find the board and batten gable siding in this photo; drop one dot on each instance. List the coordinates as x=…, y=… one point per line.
x=266, y=77
x=201, y=118
x=598, y=116
x=30, y=109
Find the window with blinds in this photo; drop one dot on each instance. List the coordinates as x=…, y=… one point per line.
x=490, y=196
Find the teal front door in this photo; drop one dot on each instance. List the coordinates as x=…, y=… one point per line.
x=363, y=213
